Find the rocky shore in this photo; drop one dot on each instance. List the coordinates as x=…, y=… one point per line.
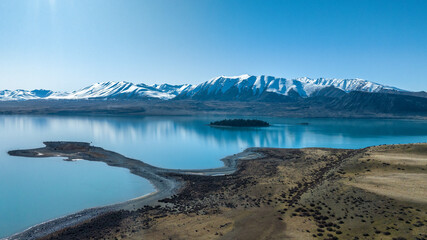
x=165, y=181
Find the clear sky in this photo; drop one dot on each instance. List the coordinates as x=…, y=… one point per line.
x=69, y=44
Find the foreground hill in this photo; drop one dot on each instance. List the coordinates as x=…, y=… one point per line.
x=314, y=193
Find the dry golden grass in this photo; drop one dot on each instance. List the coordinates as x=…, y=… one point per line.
x=401, y=159
x=191, y=226
x=402, y=186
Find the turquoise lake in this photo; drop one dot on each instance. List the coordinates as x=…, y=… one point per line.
x=36, y=190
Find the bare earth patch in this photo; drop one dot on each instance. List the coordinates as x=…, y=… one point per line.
x=403, y=186
x=402, y=159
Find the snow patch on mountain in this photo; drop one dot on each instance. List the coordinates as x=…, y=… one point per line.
x=171, y=89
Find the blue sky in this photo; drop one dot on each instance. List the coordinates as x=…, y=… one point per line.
x=68, y=44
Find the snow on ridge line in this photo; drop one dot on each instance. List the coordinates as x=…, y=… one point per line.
x=124, y=90
x=304, y=86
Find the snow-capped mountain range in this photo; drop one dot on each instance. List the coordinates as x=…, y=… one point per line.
x=231, y=88
x=122, y=90
x=245, y=86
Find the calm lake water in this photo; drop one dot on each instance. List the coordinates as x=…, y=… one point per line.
x=36, y=190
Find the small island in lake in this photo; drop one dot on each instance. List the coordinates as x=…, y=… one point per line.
x=240, y=123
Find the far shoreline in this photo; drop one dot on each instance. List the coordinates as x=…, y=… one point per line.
x=141, y=108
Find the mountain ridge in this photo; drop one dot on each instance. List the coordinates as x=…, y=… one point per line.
x=243, y=87
x=246, y=87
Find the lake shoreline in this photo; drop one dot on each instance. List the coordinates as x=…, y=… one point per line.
x=163, y=180
x=275, y=193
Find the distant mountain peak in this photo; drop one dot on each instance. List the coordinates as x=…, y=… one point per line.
x=240, y=77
